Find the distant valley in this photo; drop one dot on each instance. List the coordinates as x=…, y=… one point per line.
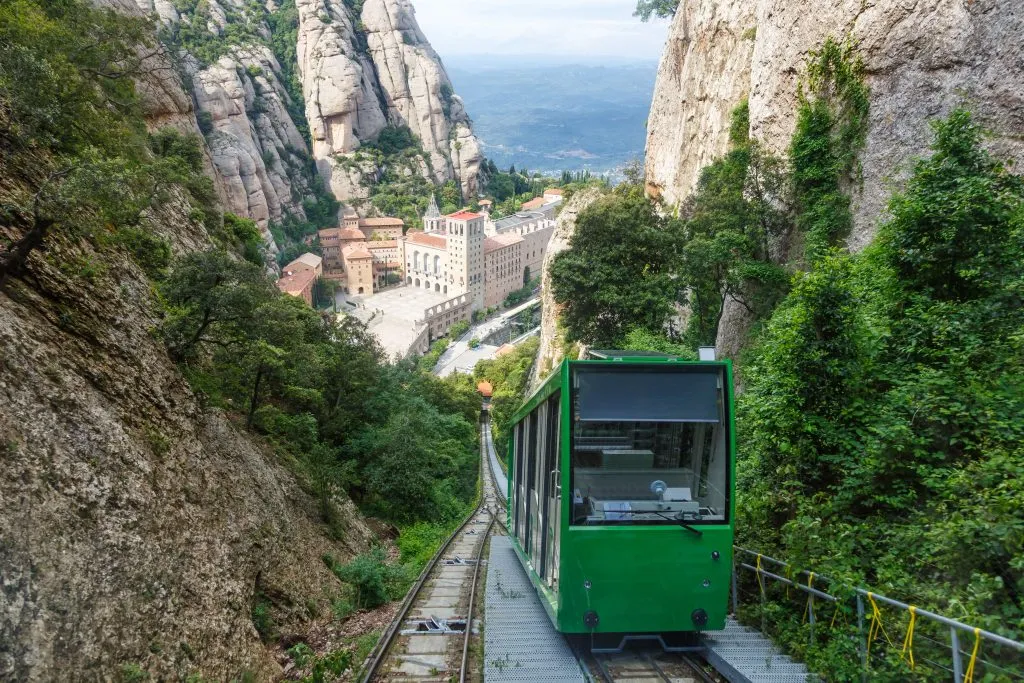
x=555, y=117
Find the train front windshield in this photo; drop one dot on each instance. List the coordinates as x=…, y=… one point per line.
x=650, y=445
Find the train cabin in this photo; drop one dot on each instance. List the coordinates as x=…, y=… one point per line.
x=620, y=500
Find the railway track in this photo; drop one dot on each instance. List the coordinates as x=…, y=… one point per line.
x=429, y=639
x=643, y=666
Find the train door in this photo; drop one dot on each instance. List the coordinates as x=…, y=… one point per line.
x=517, y=479
x=529, y=510
x=551, y=494
x=536, y=487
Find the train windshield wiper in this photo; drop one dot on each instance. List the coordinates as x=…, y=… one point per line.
x=663, y=516
x=680, y=523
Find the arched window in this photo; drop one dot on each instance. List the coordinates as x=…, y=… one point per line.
x=410, y=280
x=446, y=289
x=417, y=282
x=437, y=287
x=437, y=265
x=416, y=260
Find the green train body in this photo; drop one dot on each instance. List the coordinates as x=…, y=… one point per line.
x=642, y=541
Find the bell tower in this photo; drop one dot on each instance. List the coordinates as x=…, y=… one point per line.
x=433, y=221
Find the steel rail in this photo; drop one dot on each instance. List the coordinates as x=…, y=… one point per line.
x=698, y=669
x=376, y=656
x=472, y=596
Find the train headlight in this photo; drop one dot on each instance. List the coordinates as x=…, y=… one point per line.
x=699, y=617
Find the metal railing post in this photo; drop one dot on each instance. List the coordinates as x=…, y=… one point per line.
x=863, y=641
x=958, y=665
x=810, y=611
x=735, y=599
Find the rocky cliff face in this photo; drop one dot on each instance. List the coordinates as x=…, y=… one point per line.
x=136, y=528
x=922, y=59
x=358, y=73
x=363, y=73
x=552, y=351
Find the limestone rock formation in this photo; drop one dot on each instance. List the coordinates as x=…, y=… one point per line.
x=551, y=351
x=361, y=74
x=358, y=75
x=256, y=147
x=922, y=59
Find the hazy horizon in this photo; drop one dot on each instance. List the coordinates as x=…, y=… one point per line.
x=566, y=29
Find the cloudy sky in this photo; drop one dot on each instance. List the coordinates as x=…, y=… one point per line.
x=564, y=28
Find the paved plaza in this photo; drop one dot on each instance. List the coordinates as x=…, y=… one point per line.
x=391, y=315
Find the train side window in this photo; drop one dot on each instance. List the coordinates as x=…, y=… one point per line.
x=649, y=446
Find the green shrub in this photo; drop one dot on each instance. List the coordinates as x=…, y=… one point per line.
x=133, y=673
x=150, y=251
x=301, y=654
x=372, y=578
x=262, y=619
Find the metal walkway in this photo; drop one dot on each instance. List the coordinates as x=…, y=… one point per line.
x=500, y=479
x=520, y=644
x=744, y=655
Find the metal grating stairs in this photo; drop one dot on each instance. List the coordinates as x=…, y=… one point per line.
x=520, y=644
x=744, y=655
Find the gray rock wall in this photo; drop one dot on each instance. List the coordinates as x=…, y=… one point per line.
x=922, y=58
x=353, y=89
x=551, y=351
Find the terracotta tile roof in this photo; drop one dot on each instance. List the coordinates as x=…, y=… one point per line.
x=295, y=283
x=485, y=389
x=305, y=261
x=553, y=190
x=464, y=215
x=436, y=241
x=352, y=234
x=381, y=222
x=356, y=251
x=534, y=204
x=500, y=242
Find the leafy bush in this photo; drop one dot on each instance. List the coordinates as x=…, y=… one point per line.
x=262, y=619
x=373, y=579
x=151, y=252
x=302, y=654
x=882, y=410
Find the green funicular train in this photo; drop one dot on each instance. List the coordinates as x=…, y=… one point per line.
x=620, y=500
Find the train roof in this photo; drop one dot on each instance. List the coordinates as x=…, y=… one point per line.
x=611, y=355
x=554, y=380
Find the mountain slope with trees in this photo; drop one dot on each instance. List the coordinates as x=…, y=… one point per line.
x=188, y=454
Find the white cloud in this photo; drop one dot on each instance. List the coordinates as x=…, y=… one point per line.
x=583, y=28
